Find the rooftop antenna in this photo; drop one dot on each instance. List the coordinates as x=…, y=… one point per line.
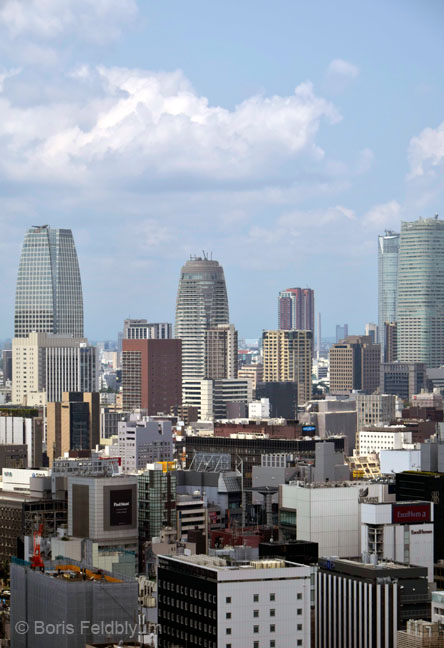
x=436, y=216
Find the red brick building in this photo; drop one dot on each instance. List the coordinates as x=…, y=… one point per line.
x=152, y=374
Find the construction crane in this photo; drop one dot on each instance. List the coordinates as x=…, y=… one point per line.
x=36, y=559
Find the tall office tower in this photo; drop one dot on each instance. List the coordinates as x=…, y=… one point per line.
x=141, y=329
x=341, y=332
x=420, y=301
x=319, y=344
x=388, y=248
x=296, y=309
x=73, y=424
x=221, y=352
x=151, y=375
x=49, y=290
x=372, y=330
x=288, y=357
x=202, y=303
x=44, y=366
x=390, y=342
x=354, y=365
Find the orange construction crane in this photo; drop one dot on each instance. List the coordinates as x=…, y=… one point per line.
x=36, y=560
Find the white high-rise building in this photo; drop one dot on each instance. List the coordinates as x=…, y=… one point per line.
x=49, y=289
x=420, y=297
x=202, y=304
x=44, y=366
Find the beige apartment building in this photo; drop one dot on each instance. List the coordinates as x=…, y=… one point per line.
x=46, y=365
x=288, y=357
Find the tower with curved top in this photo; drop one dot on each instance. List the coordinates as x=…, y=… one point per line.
x=202, y=303
x=49, y=289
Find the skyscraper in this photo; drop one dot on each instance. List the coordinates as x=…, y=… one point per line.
x=202, y=303
x=49, y=290
x=388, y=248
x=420, y=298
x=296, y=309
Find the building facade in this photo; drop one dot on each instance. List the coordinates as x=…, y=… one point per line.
x=141, y=329
x=205, y=601
x=49, y=290
x=402, y=379
x=354, y=365
x=288, y=357
x=221, y=352
x=72, y=423
x=151, y=374
x=46, y=365
x=420, y=300
x=202, y=304
x=363, y=605
x=296, y=309
x=142, y=441
x=388, y=249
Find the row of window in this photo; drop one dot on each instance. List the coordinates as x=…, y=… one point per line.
x=188, y=591
x=272, y=644
x=183, y=605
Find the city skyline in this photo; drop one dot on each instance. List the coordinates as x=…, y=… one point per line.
x=165, y=131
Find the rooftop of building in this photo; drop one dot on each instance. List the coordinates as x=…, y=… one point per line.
x=222, y=564
x=72, y=571
x=370, y=566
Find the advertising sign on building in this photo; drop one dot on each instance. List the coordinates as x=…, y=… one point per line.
x=121, y=507
x=410, y=513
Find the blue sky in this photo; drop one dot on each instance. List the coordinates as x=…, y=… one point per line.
x=283, y=137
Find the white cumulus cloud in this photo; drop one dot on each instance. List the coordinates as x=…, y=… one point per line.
x=136, y=124
x=426, y=150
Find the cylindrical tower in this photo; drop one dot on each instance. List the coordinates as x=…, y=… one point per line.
x=202, y=303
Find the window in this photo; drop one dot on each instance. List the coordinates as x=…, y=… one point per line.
x=255, y=613
x=272, y=612
x=299, y=610
x=255, y=598
x=272, y=628
x=227, y=645
x=228, y=615
x=228, y=599
x=299, y=642
x=255, y=628
x=299, y=626
x=273, y=597
x=299, y=596
x=272, y=643
x=256, y=644
x=228, y=631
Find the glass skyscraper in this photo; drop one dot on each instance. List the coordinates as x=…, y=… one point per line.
x=49, y=290
x=388, y=248
x=202, y=303
x=420, y=302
